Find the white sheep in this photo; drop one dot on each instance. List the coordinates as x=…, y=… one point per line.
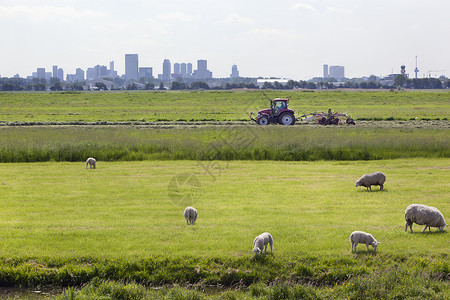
x=367, y=180
x=91, y=162
x=190, y=214
x=424, y=215
x=261, y=242
x=360, y=237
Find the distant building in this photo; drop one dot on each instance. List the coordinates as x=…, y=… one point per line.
x=167, y=67
x=202, y=71
x=112, y=72
x=189, y=69
x=183, y=69
x=60, y=74
x=96, y=72
x=234, y=72
x=260, y=82
x=79, y=74
x=55, y=71
x=176, y=68
x=131, y=66
x=40, y=73
x=325, y=71
x=146, y=72
x=337, y=72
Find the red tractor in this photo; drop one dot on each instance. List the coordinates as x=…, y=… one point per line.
x=277, y=113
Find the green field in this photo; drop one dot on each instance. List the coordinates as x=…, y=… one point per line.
x=60, y=216
x=214, y=106
x=118, y=232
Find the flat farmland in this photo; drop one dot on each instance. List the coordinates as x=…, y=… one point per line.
x=118, y=232
x=214, y=106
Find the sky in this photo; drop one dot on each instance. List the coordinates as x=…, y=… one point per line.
x=285, y=38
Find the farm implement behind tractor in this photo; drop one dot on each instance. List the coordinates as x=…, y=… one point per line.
x=280, y=113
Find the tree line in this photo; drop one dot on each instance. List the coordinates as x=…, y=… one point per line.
x=54, y=84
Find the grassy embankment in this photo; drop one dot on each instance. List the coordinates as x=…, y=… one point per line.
x=34, y=108
x=63, y=225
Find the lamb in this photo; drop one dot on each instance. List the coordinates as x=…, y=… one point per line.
x=424, y=215
x=367, y=180
x=91, y=162
x=190, y=214
x=360, y=237
x=261, y=242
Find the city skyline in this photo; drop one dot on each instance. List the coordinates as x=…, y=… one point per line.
x=291, y=39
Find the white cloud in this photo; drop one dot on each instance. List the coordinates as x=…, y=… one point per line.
x=235, y=18
x=303, y=6
x=176, y=16
x=48, y=13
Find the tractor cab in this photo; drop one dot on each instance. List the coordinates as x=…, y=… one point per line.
x=278, y=112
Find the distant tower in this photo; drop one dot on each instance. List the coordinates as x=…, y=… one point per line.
x=166, y=70
x=416, y=70
x=176, y=68
x=189, y=68
x=183, y=68
x=325, y=71
x=234, y=72
x=403, y=69
x=131, y=66
x=55, y=71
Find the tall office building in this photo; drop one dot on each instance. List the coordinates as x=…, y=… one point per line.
x=337, y=72
x=166, y=70
x=59, y=74
x=234, y=72
x=325, y=71
x=183, y=69
x=146, y=72
x=176, y=68
x=40, y=73
x=55, y=71
x=131, y=66
x=79, y=74
x=202, y=71
x=189, y=69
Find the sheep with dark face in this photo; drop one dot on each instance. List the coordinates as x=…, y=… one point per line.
x=91, y=162
x=367, y=180
x=260, y=242
x=360, y=237
x=190, y=214
x=424, y=215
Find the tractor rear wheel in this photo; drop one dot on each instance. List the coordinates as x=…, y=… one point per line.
x=287, y=118
x=263, y=120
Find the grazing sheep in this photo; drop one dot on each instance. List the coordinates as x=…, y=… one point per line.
x=424, y=215
x=261, y=242
x=91, y=162
x=190, y=214
x=377, y=178
x=359, y=237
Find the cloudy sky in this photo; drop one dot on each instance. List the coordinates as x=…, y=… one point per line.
x=288, y=38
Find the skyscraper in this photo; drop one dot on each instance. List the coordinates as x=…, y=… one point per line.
x=189, y=69
x=55, y=71
x=131, y=66
x=325, y=71
x=183, y=68
x=234, y=72
x=166, y=70
x=176, y=68
x=202, y=71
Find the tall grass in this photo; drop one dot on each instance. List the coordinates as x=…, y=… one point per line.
x=40, y=144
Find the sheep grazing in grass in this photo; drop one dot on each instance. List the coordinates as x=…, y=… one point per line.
x=190, y=214
x=424, y=215
x=377, y=178
x=360, y=237
x=261, y=242
x=91, y=162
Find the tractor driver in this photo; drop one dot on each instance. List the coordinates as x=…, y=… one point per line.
x=279, y=105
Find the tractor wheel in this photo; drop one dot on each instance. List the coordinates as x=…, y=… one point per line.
x=287, y=119
x=263, y=120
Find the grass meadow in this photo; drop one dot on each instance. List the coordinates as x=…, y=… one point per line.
x=118, y=232
x=123, y=222
x=25, y=107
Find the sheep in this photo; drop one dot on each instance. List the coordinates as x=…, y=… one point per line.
x=424, y=215
x=91, y=162
x=367, y=180
x=261, y=242
x=360, y=237
x=190, y=214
